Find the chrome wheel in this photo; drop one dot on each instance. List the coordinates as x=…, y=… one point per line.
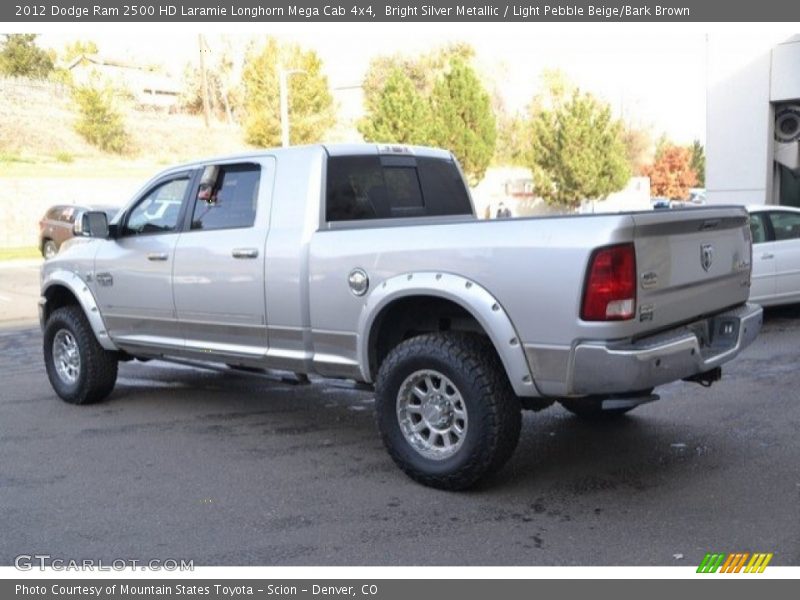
x=66, y=356
x=432, y=414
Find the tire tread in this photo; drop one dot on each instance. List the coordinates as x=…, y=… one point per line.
x=100, y=365
x=469, y=354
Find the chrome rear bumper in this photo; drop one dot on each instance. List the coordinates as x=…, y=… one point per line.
x=609, y=367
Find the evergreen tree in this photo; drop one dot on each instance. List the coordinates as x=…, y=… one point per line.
x=399, y=114
x=311, y=110
x=462, y=119
x=577, y=151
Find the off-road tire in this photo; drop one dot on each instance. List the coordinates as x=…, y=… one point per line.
x=494, y=413
x=98, y=367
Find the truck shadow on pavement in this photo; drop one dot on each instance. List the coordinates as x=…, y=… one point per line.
x=268, y=420
x=260, y=420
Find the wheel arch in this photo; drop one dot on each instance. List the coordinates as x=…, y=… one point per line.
x=64, y=288
x=440, y=296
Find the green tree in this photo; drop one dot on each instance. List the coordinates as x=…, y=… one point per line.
x=78, y=48
x=100, y=122
x=422, y=70
x=462, y=119
x=21, y=57
x=577, y=151
x=399, y=113
x=698, y=162
x=311, y=110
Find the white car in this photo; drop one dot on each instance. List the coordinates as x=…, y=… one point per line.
x=776, y=254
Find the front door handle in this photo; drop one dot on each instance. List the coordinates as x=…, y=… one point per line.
x=157, y=256
x=245, y=253
x=767, y=256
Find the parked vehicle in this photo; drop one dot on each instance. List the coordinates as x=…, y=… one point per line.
x=776, y=254
x=367, y=262
x=660, y=203
x=57, y=225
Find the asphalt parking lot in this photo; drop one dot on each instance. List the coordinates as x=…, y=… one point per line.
x=227, y=469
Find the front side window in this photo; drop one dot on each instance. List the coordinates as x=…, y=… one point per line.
x=159, y=210
x=786, y=225
x=229, y=200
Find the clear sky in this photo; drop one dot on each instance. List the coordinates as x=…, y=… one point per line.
x=655, y=77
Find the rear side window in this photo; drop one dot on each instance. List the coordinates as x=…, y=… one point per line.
x=231, y=200
x=375, y=187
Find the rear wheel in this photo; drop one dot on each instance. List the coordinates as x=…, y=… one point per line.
x=79, y=369
x=49, y=249
x=445, y=409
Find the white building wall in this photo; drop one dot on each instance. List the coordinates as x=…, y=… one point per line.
x=785, y=79
x=745, y=75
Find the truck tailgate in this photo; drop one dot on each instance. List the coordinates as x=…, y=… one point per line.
x=690, y=262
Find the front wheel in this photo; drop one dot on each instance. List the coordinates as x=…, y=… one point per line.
x=79, y=369
x=445, y=409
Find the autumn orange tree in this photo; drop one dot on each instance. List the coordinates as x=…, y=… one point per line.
x=671, y=175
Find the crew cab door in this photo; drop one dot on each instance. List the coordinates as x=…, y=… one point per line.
x=762, y=284
x=133, y=271
x=786, y=251
x=219, y=262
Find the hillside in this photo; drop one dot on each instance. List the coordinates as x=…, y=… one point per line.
x=37, y=137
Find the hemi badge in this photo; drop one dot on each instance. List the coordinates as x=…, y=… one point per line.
x=646, y=312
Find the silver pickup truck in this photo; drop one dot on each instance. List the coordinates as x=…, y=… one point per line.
x=367, y=263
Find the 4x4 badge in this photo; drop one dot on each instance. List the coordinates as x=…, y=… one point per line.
x=706, y=256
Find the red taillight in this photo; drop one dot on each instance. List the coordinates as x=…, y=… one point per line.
x=610, y=292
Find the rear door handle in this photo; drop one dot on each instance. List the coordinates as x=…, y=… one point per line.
x=245, y=253
x=767, y=256
x=157, y=256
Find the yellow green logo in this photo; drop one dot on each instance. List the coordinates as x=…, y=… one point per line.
x=737, y=562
